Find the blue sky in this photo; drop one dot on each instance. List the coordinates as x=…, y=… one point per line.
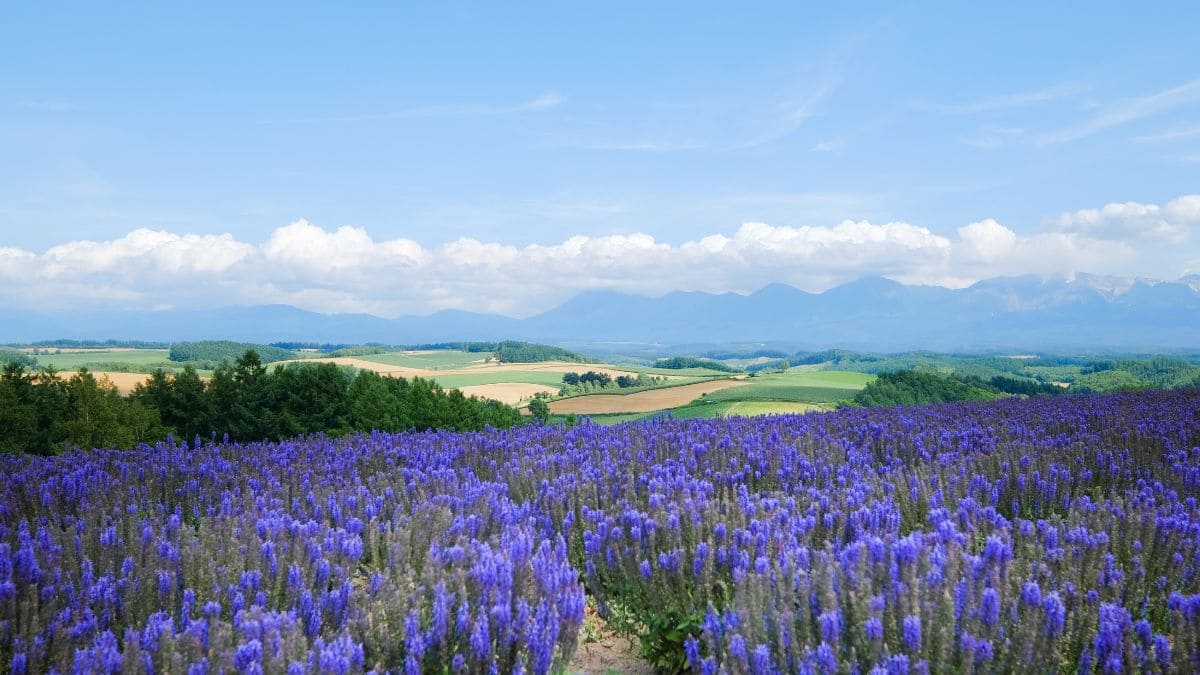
x=631, y=127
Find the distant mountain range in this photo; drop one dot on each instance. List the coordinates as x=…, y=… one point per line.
x=1029, y=313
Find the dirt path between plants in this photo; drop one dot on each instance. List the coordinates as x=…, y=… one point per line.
x=602, y=652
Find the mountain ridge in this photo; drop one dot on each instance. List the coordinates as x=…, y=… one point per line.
x=872, y=313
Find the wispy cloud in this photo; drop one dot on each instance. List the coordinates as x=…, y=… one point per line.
x=1176, y=134
x=794, y=114
x=550, y=99
x=1013, y=100
x=785, y=118
x=1125, y=111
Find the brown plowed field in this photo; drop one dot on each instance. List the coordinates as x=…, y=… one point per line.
x=642, y=401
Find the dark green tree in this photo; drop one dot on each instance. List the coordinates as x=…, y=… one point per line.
x=539, y=410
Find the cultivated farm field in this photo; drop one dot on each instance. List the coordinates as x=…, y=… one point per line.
x=473, y=372
x=810, y=386
x=651, y=400
x=1051, y=534
x=797, y=390
x=74, y=359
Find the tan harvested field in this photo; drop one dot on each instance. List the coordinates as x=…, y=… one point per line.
x=361, y=364
x=643, y=401
x=506, y=392
x=546, y=367
x=125, y=382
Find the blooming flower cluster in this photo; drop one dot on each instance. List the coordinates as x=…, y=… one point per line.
x=1051, y=534
x=1048, y=534
x=312, y=556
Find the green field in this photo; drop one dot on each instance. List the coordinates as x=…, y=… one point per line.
x=800, y=386
x=147, y=358
x=678, y=372
x=439, y=360
x=753, y=408
x=1053, y=373
x=625, y=391
x=706, y=409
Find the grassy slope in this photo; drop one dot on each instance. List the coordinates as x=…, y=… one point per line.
x=73, y=361
x=805, y=386
x=679, y=372
x=705, y=409
x=434, y=360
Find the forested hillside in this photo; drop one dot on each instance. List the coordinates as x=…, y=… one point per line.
x=214, y=351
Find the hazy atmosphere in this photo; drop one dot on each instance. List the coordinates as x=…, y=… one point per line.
x=406, y=160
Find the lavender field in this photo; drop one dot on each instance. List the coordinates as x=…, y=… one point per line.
x=1047, y=535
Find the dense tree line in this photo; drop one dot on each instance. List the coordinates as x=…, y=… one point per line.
x=473, y=347
x=681, y=362
x=592, y=381
x=915, y=387
x=1160, y=372
x=324, y=347
x=362, y=350
x=590, y=377
x=511, y=351
x=1108, y=380
x=1024, y=386
x=14, y=356
x=44, y=413
x=217, y=351
x=93, y=344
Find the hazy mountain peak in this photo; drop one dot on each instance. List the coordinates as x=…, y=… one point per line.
x=873, y=313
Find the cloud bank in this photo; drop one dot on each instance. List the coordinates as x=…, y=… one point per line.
x=348, y=270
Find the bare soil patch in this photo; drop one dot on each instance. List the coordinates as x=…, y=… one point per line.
x=601, y=651
x=506, y=392
x=643, y=401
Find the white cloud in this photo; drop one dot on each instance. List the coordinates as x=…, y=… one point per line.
x=309, y=250
x=147, y=250
x=1169, y=224
x=347, y=270
x=987, y=241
